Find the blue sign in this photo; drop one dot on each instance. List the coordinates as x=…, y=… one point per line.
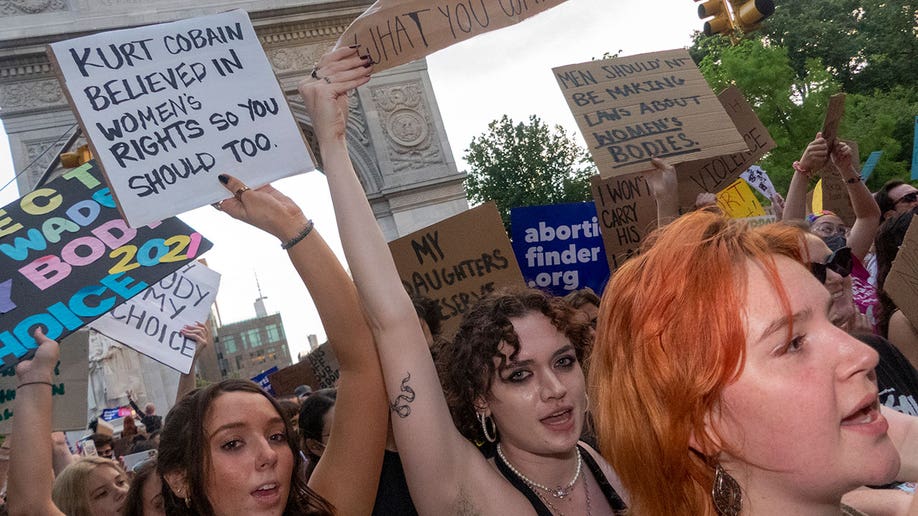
x=871, y=164
x=915, y=153
x=110, y=414
x=263, y=382
x=559, y=247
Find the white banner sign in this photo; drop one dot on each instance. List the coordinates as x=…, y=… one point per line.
x=151, y=322
x=168, y=107
x=758, y=179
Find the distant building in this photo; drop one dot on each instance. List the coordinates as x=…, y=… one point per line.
x=247, y=348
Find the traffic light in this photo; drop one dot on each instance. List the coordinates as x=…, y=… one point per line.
x=76, y=158
x=747, y=14
x=720, y=23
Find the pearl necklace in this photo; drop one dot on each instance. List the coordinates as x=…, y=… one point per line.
x=557, y=492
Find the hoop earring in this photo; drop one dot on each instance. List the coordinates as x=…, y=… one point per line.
x=486, y=421
x=726, y=493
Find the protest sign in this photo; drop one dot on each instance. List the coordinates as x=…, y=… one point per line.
x=69, y=387
x=559, y=247
x=902, y=282
x=758, y=179
x=68, y=258
x=395, y=32
x=834, y=189
x=714, y=174
x=111, y=414
x=738, y=202
x=834, y=115
x=264, y=381
x=627, y=213
x=151, y=322
x=167, y=107
x=871, y=164
x=630, y=109
x=915, y=152
x=457, y=261
x=319, y=370
x=762, y=220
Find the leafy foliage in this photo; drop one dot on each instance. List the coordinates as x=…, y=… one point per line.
x=810, y=50
x=526, y=164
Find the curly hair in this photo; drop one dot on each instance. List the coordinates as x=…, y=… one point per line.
x=183, y=448
x=467, y=365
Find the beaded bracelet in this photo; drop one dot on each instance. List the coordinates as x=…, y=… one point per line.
x=852, y=180
x=295, y=240
x=49, y=384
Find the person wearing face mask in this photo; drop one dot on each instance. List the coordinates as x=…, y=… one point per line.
x=828, y=226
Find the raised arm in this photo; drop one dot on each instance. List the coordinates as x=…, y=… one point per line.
x=866, y=210
x=31, y=474
x=435, y=456
x=814, y=157
x=348, y=474
x=201, y=334
x=665, y=188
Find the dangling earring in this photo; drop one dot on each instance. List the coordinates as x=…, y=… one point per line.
x=728, y=498
x=188, y=502
x=587, y=409
x=487, y=421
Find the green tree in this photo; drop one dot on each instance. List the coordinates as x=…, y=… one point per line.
x=526, y=164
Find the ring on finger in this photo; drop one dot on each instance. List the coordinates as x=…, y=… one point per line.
x=239, y=191
x=315, y=71
x=218, y=205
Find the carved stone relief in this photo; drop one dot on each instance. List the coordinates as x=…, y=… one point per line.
x=407, y=125
x=22, y=96
x=20, y=7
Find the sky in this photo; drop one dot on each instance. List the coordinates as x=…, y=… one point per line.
x=475, y=82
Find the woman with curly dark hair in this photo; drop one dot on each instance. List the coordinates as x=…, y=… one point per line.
x=514, y=365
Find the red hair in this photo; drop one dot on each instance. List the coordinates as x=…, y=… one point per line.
x=670, y=337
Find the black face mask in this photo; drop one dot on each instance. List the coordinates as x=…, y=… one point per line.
x=835, y=242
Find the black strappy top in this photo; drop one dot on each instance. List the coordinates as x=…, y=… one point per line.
x=615, y=501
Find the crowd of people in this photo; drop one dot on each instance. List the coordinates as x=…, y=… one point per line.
x=726, y=370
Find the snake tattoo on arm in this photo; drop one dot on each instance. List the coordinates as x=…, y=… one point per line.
x=401, y=404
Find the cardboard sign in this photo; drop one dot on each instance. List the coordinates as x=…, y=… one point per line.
x=630, y=109
x=69, y=387
x=737, y=201
x=168, y=107
x=264, y=381
x=395, y=32
x=763, y=220
x=627, y=212
x=559, y=247
x=319, y=370
x=758, y=179
x=714, y=174
x=834, y=190
x=834, y=115
x=151, y=322
x=902, y=281
x=457, y=261
x=69, y=258
x=871, y=164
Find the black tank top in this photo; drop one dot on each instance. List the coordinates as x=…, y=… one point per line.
x=615, y=501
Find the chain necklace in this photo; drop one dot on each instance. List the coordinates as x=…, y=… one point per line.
x=557, y=512
x=557, y=492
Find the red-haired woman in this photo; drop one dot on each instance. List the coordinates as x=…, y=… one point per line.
x=721, y=386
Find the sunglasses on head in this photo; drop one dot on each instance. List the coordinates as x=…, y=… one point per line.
x=909, y=197
x=838, y=262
